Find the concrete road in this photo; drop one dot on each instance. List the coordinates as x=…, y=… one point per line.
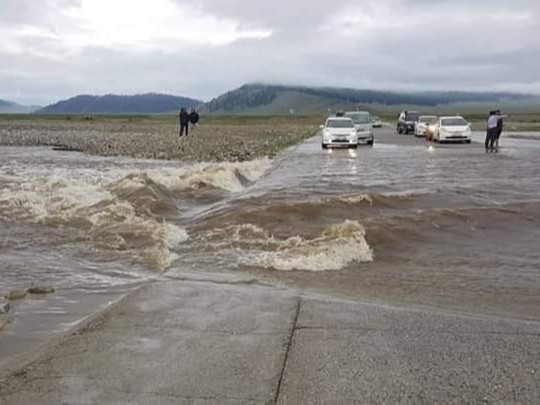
x=224, y=340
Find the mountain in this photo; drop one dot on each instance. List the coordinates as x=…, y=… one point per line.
x=277, y=99
x=150, y=103
x=264, y=99
x=9, y=107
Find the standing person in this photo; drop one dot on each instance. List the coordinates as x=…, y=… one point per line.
x=184, y=121
x=193, y=117
x=500, y=124
x=491, y=134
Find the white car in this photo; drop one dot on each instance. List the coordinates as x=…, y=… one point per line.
x=364, y=127
x=424, y=123
x=340, y=132
x=452, y=129
x=377, y=123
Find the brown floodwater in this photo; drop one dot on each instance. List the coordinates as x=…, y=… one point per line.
x=445, y=226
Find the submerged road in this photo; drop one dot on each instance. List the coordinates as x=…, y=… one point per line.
x=329, y=337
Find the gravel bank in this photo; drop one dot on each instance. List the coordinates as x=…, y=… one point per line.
x=157, y=138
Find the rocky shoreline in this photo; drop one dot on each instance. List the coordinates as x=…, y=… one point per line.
x=6, y=307
x=5, y=310
x=157, y=138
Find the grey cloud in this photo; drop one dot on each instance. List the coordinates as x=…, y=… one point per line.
x=474, y=52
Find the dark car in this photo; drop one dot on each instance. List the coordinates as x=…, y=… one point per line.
x=406, y=120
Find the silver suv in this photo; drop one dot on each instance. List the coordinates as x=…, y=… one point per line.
x=364, y=126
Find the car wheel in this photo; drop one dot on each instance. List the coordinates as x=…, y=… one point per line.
x=399, y=130
x=324, y=146
x=370, y=143
x=468, y=141
x=354, y=146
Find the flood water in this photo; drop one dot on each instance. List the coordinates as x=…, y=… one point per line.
x=445, y=226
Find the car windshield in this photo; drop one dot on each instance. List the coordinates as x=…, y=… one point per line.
x=412, y=116
x=428, y=120
x=453, y=122
x=359, y=118
x=339, y=124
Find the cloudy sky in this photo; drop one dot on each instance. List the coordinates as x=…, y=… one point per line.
x=53, y=49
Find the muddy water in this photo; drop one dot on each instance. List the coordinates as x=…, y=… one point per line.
x=447, y=226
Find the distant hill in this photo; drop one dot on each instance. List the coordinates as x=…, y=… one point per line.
x=113, y=104
x=9, y=107
x=277, y=99
x=263, y=99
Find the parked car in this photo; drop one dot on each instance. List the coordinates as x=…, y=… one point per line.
x=406, y=120
x=452, y=129
x=376, y=122
x=364, y=127
x=423, y=124
x=340, y=132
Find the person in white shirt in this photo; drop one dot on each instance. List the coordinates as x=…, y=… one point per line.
x=491, y=135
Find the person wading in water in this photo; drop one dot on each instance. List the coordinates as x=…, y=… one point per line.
x=491, y=134
x=500, y=125
x=184, y=121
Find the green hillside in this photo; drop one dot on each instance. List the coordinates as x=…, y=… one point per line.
x=260, y=99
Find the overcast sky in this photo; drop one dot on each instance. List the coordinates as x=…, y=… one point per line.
x=54, y=49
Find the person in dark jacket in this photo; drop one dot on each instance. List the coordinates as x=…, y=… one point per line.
x=500, y=125
x=193, y=117
x=184, y=121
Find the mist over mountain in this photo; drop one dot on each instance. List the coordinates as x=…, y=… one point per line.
x=278, y=99
x=151, y=103
x=9, y=107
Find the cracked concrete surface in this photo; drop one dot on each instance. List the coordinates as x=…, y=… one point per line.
x=196, y=341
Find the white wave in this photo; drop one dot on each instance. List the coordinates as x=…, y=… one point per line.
x=336, y=248
x=114, y=205
x=225, y=176
x=357, y=199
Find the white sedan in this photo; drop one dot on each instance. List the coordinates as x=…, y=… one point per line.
x=340, y=132
x=452, y=129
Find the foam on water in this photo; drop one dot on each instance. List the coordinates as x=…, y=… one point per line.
x=228, y=176
x=334, y=249
x=119, y=209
